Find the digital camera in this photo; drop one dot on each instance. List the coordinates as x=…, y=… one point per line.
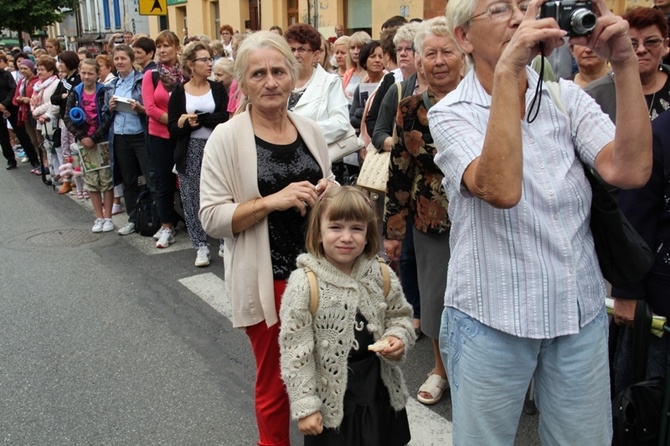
x=574, y=16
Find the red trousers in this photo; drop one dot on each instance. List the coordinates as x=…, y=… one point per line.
x=273, y=414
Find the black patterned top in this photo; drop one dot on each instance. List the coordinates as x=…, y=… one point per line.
x=415, y=182
x=279, y=166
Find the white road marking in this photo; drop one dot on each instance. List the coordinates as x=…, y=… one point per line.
x=427, y=427
x=210, y=288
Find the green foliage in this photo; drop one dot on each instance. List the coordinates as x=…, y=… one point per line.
x=31, y=15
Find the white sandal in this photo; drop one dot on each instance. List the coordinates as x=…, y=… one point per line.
x=435, y=386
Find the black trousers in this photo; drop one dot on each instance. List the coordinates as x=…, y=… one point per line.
x=21, y=134
x=132, y=157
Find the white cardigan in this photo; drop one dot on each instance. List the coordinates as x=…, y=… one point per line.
x=324, y=102
x=229, y=177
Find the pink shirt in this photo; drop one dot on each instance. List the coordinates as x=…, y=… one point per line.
x=90, y=110
x=156, y=104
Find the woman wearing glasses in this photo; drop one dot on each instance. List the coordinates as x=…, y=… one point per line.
x=317, y=95
x=194, y=109
x=649, y=35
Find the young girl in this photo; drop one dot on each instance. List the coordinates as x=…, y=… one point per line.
x=89, y=97
x=340, y=392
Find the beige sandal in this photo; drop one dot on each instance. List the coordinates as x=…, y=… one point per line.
x=435, y=386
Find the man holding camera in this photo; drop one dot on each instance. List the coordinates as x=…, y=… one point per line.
x=525, y=295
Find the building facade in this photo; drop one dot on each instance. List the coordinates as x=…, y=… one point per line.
x=207, y=16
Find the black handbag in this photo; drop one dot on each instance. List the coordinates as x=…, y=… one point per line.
x=624, y=257
x=637, y=411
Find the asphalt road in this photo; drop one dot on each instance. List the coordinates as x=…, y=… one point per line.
x=101, y=344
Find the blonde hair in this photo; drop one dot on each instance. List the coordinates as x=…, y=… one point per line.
x=359, y=39
x=342, y=203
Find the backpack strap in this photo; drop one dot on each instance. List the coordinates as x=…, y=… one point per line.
x=313, y=290
x=314, y=286
x=386, y=277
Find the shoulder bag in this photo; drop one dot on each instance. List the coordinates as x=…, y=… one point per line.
x=375, y=169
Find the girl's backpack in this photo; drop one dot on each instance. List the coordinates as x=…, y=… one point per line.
x=314, y=285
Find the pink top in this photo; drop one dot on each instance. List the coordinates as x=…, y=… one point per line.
x=234, y=98
x=155, y=103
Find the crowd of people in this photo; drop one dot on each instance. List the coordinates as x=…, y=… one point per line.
x=485, y=216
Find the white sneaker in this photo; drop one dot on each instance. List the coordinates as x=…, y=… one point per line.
x=157, y=235
x=128, y=228
x=108, y=225
x=98, y=225
x=221, y=250
x=202, y=258
x=166, y=238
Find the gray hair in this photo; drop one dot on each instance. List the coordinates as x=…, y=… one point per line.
x=459, y=13
x=437, y=26
x=406, y=33
x=263, y=40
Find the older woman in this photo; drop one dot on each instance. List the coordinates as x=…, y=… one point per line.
x=226, y=33
x=261, y=172
x=194, y=109
x=649, y=33
x=127, y=141
x=317, y=94
x=382, y=110
x=415, y=188
x=340, y=51
x=356, y=72
x=524, y=294
x=156, y=90
x=23, y=125
x=43, y=112
x=223, y=72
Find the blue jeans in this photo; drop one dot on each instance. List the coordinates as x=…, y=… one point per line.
x=490, y=371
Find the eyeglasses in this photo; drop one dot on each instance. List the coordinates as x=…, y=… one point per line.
x=650, y=44
x=502, y=12
x=204, y=59
x=400, y=49
x=300, y=50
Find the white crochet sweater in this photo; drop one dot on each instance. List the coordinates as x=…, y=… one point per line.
x=314, y=352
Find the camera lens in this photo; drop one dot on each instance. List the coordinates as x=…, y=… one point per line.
x=582, y=21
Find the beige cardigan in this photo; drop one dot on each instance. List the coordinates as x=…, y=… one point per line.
x=229, y=178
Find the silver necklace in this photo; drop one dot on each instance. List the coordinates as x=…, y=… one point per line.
x=651, y=104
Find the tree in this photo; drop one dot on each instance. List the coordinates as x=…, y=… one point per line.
x=31, y=15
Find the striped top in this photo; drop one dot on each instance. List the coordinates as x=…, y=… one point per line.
x=531, y=270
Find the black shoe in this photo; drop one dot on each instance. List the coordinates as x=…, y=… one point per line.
x=11, y=165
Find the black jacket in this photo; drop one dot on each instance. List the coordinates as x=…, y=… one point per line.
x=7, y=87
x=177, y=107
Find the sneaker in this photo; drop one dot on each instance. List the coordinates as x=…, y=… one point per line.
x=221, y=250
x=24, y=160
x=127, y=229
x=166, y=238
x=98, y=225
x=108, y=225
x=116, y=209
x=157, y=235
x=202, y=258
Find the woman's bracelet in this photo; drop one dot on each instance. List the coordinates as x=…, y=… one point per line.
x=253, y=210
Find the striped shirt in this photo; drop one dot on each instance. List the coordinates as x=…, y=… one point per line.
x=531, y=270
